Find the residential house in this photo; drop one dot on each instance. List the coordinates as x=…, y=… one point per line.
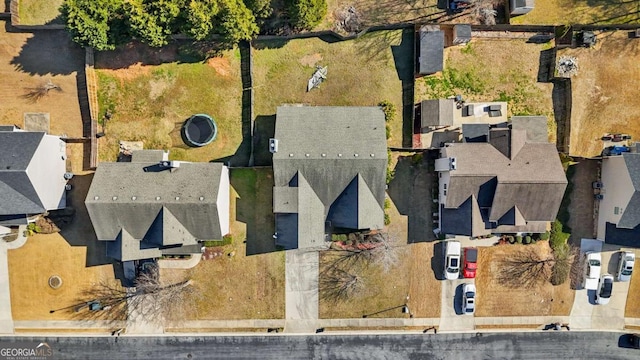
x=505, y=178
x=32, y=174
x=329, y=167
x=619, y=207
x=151, y=206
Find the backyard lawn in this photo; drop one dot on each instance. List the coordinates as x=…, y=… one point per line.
x=151, y=92
x=383, y=289
x=361, y=72
x=247, y=281
x=40, y=12
x=601, y=100
x=497, y=299
x=554, y=12
x=493, y=70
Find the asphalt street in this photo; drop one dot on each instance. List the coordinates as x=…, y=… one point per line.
x=530, y=345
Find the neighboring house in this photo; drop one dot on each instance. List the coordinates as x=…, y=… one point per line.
x=32, y=169
x=151, y=207
x=503, y=179
x=329, y=167
x=440, y=120
x=619, y=208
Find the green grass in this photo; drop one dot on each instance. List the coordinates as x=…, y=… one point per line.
x=150, y=104
x=361, y=72
x=40, y=12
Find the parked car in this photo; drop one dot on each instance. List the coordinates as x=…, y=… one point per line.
x=470, y=263
x=625, y=265
x=468, y=299
x=630, y=341
x=452, y=260
x=594, y=261
x=605, y=288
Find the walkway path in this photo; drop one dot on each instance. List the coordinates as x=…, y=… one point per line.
x=301, y=291
x=6, y=318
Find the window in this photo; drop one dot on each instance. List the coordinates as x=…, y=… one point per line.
x=616, y=210
x=445, y=186
x=445, y=193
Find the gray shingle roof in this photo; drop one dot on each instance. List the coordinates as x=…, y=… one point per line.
x=17, y=193
x=154, y=206
x=338, y=156
x=436, y=112
x=431, y=57
x=535, y=126
x=526, y=188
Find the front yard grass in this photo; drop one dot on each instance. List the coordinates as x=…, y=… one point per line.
x=388, y=290
x=497, y=299
x=150, y=102
x=361, y=72
x=40, y=12
x=484, y=70
x=30, y=267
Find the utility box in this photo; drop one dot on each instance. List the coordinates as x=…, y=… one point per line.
x=461, y=34
x=520, y=7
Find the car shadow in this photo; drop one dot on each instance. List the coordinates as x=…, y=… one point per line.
x=614, y=261
x=437, y=260
x=457, y=300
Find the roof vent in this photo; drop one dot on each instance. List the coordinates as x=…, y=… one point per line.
x=372, y=155
x=339, y=155
x=201, y=198
x=114, y=198
x=324, y=155
x=177, y=197
x=157, y=197
x=96, y=198
x=356, y=155
x=133, y=198
x=307, y=155
x=290, y=154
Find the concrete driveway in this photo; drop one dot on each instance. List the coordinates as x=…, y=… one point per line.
x=585, y=314
x=301, y=291
x=451, y=318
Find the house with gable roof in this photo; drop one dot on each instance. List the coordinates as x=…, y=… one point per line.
x=151, y=206
x=329, y=167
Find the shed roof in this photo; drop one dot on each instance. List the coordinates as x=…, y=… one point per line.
x=431, y=57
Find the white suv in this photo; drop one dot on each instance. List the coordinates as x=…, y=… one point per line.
x=594, y=261
x=625, y=266
x=452, y=260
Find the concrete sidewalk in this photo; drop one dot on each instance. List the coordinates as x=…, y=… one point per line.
x=6, y=319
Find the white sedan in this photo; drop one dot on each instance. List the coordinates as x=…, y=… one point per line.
x=468, y=299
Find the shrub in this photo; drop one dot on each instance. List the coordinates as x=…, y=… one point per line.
x=389, y=110
x=557, y=237
x=306, y=14
x=387, y=204
x=417, y=158
x=527, y=239
x=544, y=236
x=387, y=219
x=511, y=239
x=348, y=242
x=560, y=272
x=338, y=237
x=519, y=239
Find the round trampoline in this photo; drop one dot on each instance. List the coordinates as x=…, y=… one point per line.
x=199, y=130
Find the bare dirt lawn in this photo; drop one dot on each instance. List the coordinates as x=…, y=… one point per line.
x=602, y=101
x=496, y=299
x=151, y=92
x=30, y=267
x=632, y=309
x=493, y=70
x=554, y=12
x=22, y=67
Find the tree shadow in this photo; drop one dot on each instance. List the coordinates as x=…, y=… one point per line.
x=260, y=44
x=413, y=180
x=79, y=231
x=264, y=129
x=404, y=58
x=561, y=99
x=254, y=207
x=49, y=52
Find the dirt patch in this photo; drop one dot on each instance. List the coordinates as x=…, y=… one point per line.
x=601, y=101
x=581, y=218
x=496, y=299
x=632, y=309
x=310, y=60
x=157, y=87
x=221, y=65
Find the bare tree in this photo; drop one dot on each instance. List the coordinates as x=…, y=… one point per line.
x=377, y=248
x=526, y=268
x=484, y=11
x=34, y=94
x=337, y=285
x=152, y=298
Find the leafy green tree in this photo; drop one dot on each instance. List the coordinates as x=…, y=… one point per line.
x=306, y=14
x=95, y=23
x=236, y=22
x=154, y=21
x=261, y=9
x=200, y=18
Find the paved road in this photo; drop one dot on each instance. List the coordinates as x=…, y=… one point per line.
x=531, y=345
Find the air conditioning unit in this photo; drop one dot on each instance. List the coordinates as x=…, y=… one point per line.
x=452, y=164
x=273, y=145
